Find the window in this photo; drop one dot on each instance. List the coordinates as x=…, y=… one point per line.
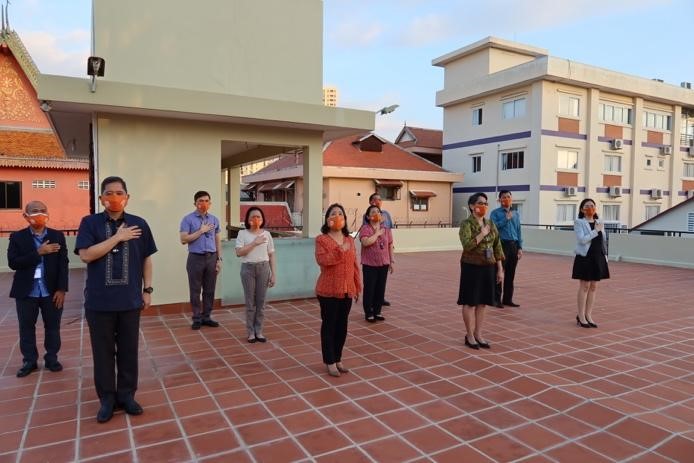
x=566, y=213
x=512, y=160
x=612, y=163
x=567, y=159
x=649, y=162
x=477, y=116
x=10, y=195
x=477, y=163
x=518, y=207
x=613, y=113
x=388, y=193
x=43, y=184
x=661, y=164
x=657, y=121
x=514, y=108
x=652, y=211
x=610, y=212
x=690, y=221
x=420, y=204
x=569, y=105
x=83, y=185
x=688, y=170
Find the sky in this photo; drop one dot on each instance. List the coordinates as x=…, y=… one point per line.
x=379, y=52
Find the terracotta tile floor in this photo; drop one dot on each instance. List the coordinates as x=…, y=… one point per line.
x=547, y=391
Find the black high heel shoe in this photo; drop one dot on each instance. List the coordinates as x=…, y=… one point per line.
x=470, y=345
x=483, y=344
x=591, y=324
x=583, y=325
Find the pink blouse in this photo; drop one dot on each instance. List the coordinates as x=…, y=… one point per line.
x=378, y=254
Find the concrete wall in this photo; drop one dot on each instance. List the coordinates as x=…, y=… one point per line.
x=269, y=49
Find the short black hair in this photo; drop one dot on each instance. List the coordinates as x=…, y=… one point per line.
x=368, y=210
x=373, y=195
x=325, y=229
x=248, y=216
x=473, y=199
x=200, y=194
x=503, y=192
x=580, y=208
x=113, y=179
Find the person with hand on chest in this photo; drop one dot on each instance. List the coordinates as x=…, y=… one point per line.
x=376, y=260
x=200, y=230
x=507, y=221
x=39, y=257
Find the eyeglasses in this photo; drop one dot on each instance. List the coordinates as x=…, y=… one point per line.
x=114, y=193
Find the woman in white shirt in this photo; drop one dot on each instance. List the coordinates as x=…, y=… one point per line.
x=256, y=249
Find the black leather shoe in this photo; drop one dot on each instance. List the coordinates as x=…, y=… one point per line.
x=196, y=325
x=55, y=366
x=386, y=303
x=105, y=413
x=471, y=345
x=131, y=407
x=483, y=344
x=26, y=369
x=499, y=305
x=511, y=304
x=380, y=318
x=261, y=338
x=211, y=323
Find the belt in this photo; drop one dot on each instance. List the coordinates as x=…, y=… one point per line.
x=204, y=253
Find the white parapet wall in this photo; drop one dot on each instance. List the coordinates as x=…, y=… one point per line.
x=672, y=251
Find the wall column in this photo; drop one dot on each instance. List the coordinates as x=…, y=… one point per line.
x=234, y=195
x=313, y=188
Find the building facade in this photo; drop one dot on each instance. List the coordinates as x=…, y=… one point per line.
x=330, y=96
x=554, y=131
x=426, y=143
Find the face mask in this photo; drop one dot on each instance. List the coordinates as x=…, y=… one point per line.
x=506, y=203
x=480, y=211
x=203, y=207
x=375, y=218
x=336, y=223
x=37, y=220
x=114, y=203
x=589, y=211
x=255, y=222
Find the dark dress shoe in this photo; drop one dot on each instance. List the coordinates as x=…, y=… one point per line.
x=499, y=305
x=26, y=369
x=252, y=340
x=470, y=345
x=196, y=325
x=211, y=323
x=131, y=407
x=483, y=344
x=380, y=318
x=371, y=319
x=511, y=304
x=261, y=339
x=386, y=303
x=105, y=413
x=55, y=366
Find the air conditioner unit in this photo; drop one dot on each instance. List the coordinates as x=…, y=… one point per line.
x=570, y=191
x=666, y=149
x=616, y=144
x=656, y=193
x=691, y=142
x=686, y=85
x=690, y=151
x=615, y=191
x=690, y=194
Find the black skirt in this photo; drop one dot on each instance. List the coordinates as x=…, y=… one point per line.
x=477, y=284
x=592, y=266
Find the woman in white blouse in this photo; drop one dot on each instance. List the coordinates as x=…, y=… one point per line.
x=256, y=249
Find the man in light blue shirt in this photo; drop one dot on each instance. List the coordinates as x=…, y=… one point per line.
x=507, y=221
x=201, y=232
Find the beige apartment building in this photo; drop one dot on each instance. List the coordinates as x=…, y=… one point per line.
x=554, y=131
x=330, y=96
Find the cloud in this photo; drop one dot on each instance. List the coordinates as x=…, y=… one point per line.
x=356, y=34
x=428, y=29
x=63, y=54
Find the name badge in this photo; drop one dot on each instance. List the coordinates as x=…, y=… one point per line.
x=488, y=253
x=37, y=273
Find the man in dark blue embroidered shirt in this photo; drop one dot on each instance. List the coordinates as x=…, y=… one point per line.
x=39, y=257
x=117, y=248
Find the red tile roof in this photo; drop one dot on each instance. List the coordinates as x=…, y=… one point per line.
x=44, y=163
x=30, y=144
x=424, y=138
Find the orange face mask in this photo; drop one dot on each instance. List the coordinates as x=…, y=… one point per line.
x=375, y=218
x=480, y=211
x=336, y=223
x=37, y=220
x=255, y=222
x=589, y=211
x=506, y=203
x=114, y=203
x=202, y=207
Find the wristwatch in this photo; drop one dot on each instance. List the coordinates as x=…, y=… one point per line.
x=148, y=290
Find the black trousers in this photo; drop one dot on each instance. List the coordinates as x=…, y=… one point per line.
x=28, y=310
x=334, y=314
x=374, y=288
x=202, y=275
x=114, y=336
x=511, y=252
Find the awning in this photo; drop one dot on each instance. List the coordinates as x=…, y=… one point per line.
x=422, y=193
x=249, y=187
x=269, y=186
x=285, y=185
x=383, y=182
